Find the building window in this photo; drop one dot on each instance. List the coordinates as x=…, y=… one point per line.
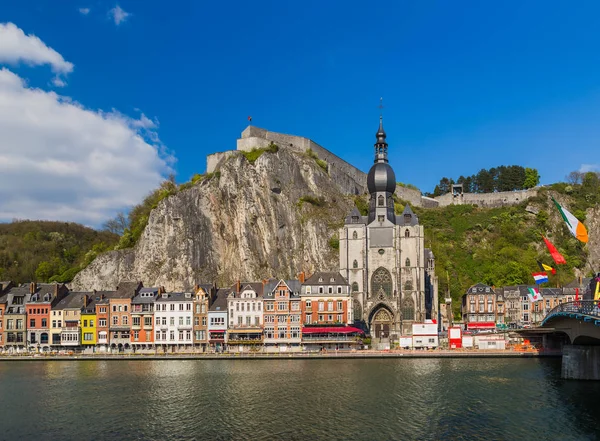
x=136, y=321
x=330, y=306
x=172, y=335
x=408, y=286
x=380, y=218
x=308, y=318
x=406, y=233
x=355, y=287
x=32, y=323
x=408, y=309
x=125, y=320
x=157, y=335
x=321, y=306
x=380, y=200
x=381, y=281
x=354, y=235
x=101, y=323
x=340, y=305
x=407, y=262
x=115, y=320
x=203, y=321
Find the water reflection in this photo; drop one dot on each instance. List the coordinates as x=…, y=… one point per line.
x=295, y=399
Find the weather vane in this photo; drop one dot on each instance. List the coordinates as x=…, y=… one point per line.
x=381, y=106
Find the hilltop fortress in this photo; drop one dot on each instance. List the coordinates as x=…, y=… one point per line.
x=354, y=181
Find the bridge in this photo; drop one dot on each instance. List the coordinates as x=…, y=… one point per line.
x=573, y=327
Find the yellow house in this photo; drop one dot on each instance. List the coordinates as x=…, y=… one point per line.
x=88, y=323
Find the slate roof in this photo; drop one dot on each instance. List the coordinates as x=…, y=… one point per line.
x=43, y=289
x=326, y=277
x=255, y=286
x=91, y=307
x=97, y=295
x=145, y=296
x=271, y=285
x=474, y=289
x=220, y=303
x=76, y=300
x=175, y=297
x=555, y=292
x=355, y=213
x=17, y=291
x=127, y=289
x=414, y=219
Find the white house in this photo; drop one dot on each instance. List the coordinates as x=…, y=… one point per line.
x=173, y=321
x=217, y=321
x=245, y=317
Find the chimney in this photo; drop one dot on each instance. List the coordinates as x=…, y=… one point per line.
x=55, y=290
x=196, y=287
x=238, y=286
x=161, y=289
x=301, y=277
x=85, y=300
x=32, y=288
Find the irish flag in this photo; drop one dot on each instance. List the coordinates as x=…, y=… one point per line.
x=576, y=228
x=534, y=294
x=540, y=278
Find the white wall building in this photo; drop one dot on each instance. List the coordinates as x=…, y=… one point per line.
x=173, y=320
x=217, y=321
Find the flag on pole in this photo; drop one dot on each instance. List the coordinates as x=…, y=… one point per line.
x=250, y=118
x=544, y=267
x=597, y=290
x=576, y=228
x=534, y=294
x=556, y=256
x=540, y=278
x=576, y=294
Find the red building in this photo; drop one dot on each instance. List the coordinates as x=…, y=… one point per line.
x=37, y=308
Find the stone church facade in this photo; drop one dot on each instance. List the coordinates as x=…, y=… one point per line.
x=383, y=257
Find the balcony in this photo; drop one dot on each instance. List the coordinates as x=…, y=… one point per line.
x=245, y=341
x=184, y=327
x=119, y=328
x=330, y=339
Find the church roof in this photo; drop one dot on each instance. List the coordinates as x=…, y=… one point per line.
x=408, y=217
x=356, y=214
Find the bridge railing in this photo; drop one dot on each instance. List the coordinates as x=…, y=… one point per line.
x=584, y=307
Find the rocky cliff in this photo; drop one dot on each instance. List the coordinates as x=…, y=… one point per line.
x=275, y=217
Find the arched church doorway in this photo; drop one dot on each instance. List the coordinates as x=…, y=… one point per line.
x=381, y=323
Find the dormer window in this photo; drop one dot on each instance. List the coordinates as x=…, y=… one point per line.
x=320, y=279
x=332, y=279
x=407, y=218
x=355, y=219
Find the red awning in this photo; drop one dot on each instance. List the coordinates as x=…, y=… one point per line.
x=217, y=330
x=481, y=325
x=332, y=330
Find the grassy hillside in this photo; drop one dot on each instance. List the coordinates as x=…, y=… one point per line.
x=48, y=251
x=500, y=246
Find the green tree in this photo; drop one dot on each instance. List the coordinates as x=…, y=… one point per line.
x=532, y=178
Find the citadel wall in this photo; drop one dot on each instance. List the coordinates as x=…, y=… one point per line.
x=353, y=181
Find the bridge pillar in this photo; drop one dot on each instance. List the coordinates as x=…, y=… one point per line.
x=580, y=362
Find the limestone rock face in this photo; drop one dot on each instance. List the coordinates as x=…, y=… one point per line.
x=249, y=223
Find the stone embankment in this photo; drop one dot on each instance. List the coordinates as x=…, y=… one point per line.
x=294, y=355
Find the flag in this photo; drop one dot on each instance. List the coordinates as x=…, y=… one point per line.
x=250, y=118
x=558, y=258
x=540, y=278
x=597, y=290
x=544, y=267
x=534, y=294
x=576, y=294
x=576, y=228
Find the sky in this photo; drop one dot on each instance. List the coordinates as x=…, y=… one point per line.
x=100, y=101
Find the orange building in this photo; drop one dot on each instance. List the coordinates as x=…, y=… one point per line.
x=43, y=298
x=282, y=315
x=142, y=318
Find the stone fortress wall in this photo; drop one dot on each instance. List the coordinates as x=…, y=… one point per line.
x=353, y=181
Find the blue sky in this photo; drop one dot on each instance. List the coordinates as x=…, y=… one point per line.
x=466, y=85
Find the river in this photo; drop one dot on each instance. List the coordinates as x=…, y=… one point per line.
x=389, y=399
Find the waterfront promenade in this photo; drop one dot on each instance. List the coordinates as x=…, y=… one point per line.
x=366, y=354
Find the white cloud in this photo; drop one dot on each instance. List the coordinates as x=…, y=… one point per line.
x=60, y=160
x=589, y=167
x=84, y=11
x=16, y=47
x=118, y=15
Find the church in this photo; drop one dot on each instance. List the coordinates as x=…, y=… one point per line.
x=383, y=257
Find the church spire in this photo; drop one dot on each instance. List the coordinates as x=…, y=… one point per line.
x=381, y=146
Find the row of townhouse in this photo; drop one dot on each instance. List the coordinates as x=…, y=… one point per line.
x=270, y=315
x=488, y=307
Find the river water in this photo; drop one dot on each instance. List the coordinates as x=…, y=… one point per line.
x=389, y=399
